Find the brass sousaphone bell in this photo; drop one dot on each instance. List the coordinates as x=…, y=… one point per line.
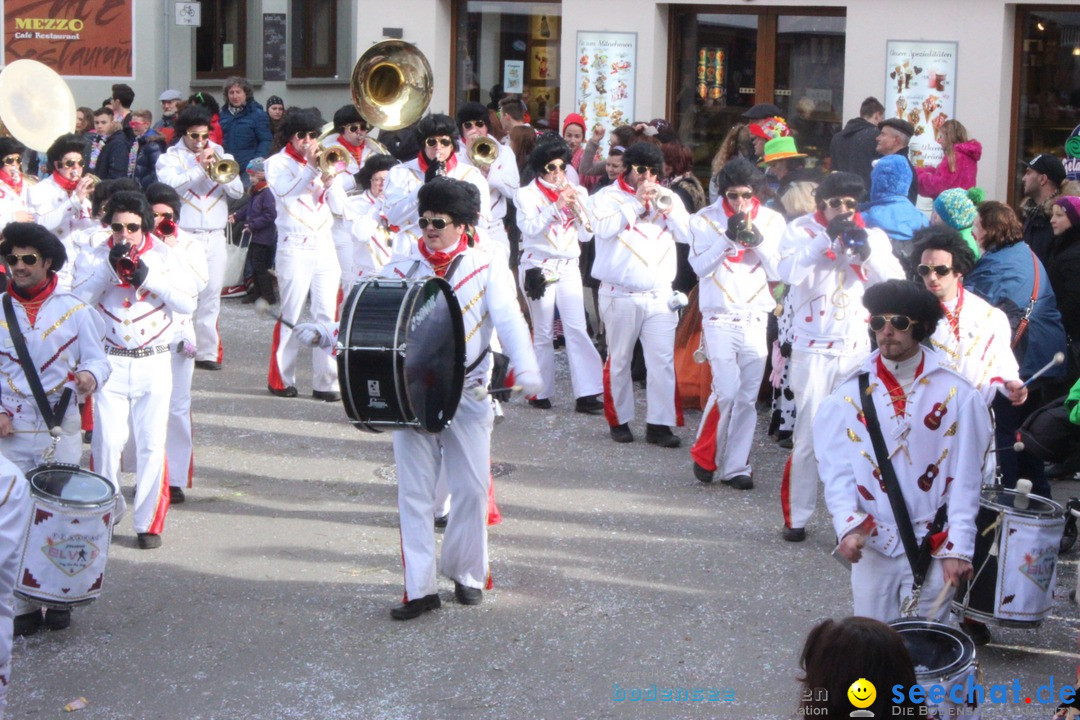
x=36, y=105
x=391, y=84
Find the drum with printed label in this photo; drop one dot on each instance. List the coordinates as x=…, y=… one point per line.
x=401, y=354
x=66, y=542
x=1016, y=549
x=943, y=656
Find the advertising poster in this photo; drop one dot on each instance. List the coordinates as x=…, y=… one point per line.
x=605, y=79
x=73, y=37
x=920, y=87
x=513, y=76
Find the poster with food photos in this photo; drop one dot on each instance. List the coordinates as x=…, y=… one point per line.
x=920, y=87
x=604, y=79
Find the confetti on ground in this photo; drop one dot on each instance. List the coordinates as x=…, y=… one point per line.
x=76, y=704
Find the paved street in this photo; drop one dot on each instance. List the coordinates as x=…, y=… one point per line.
x=614, y=569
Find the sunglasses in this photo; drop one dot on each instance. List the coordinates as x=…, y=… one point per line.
x=355, y=128
x=11, y=160
x=28, y=260
x=198, y=136
x=73, y=163
x=437, y=223
x=849, y=203
x=939, y=270
x=554, y=165
x=642, y=169
x=164, y=216
x=130, y=227
x=733, y=196
x=308, y=134
x=899, y=322
x=444, y=141
x=470, y=124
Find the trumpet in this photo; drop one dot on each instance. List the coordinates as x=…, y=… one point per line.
x=663, y=198
x=580, y=213
x=222, y=170
x=482, y=151
x=332, y=158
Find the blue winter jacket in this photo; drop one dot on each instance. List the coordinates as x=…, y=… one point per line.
x=1005, y=278
x=246, y=134
x=889, y=208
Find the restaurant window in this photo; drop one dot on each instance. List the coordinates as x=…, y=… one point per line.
x=220, y=49
x=1048, y=85
x=508, y=48
x=730, y=61
x=314, y=38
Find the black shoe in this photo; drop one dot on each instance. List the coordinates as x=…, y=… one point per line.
x=57, y=619
x=208, y=364
x=740, y=482
x=794, y=534
x=28, y=623
x=176, y=495
x=705, y=476
x=288, y=392
x=326, y=395
x=468, y=595
x=416, y=608
x=87, y=436
x=540, y=403
x=978, y=632
x=249, y=299
x=621, y=433
x=441, y=520
x=785, y=442
x=589, y=405
x=149, y=541
x=661, y=435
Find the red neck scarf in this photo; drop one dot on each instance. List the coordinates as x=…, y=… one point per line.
x=356, y=151
x=10, y=181
x=32, y=299
x=624, y=186
x=547, y=192
x=451, y=162
x=899, y=397
x=755, y=205
x=258, y=186
x=291, y=152
x=954, y=316
x=63, y=182
x=441, y=259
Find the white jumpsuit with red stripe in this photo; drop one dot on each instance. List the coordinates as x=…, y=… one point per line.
x=139, y=332
x=635, y=264
x=14, y=514
x=735, y=302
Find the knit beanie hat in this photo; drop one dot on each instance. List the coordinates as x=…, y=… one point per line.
x=955, y=208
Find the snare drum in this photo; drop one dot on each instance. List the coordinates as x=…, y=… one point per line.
x=66, y=543
x=401, y=359
x=1016, y=549
x=942, y=656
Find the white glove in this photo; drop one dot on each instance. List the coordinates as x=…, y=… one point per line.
x=677, y=301
x=314, y=335
x=530, y=382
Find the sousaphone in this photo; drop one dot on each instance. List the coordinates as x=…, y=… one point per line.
x=36, y=105
x=391, y=84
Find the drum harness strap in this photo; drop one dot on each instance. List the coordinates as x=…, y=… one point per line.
x=918, y=555
x=53, y=416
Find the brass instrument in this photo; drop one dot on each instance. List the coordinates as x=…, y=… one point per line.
x=482, y=151
x=332, y=158
x=663, y=198
x=391, y=84
x=222, y=170
x=36, y=105
x=580, y=213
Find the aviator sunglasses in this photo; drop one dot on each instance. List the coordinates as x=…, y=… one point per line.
x=130, y=227
x=899, y=322
x=939, y=270
x=733, y=196
x=437, y=223
x=444, y=141
x=849, y=203
x=28, y=260
x=554, y=166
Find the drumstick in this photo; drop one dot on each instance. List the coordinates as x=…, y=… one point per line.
x=1059, y=357
x=1015, y=447
x=263, y=308
x=932, y=612
x=480, y=392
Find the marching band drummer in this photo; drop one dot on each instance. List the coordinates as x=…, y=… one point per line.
x=485, y=291
x=553, y=220
x=61, y=202
x=636, y=224
x=438, y=138
x=186, y=166
x=501, y=174
x=14, y=190
x=306, y=261
x=138, y=284
x=371, y=233
x=735, y=247
x=63, y=338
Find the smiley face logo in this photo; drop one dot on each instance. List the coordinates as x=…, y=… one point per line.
x=862, y=693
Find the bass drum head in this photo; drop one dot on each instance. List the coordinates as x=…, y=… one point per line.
x=435, y=357
x=941, y=654
x=70, y=485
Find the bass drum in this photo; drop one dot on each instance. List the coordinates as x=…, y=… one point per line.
x=66, y=544
x=401, y=360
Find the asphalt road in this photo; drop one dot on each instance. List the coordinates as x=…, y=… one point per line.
x=614, y=570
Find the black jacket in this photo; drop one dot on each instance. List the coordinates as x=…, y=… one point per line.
x=1063, y=267
x=854, y=148
x=112, y=163
x=913, y=191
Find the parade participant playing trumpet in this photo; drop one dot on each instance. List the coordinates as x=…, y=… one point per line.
x=553, y=220
x=200, y=172
x=636, y=224
x=496, y=163
x=61, y=202
x=437, y=158
x=371, y=233
x=14, y=190
x=735, y=246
